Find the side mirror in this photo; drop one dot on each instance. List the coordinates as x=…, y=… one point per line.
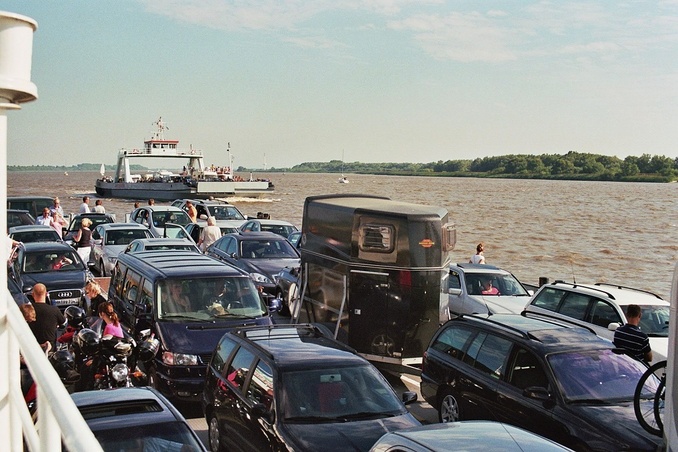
x=613, y=326
x=537, y=393
x=409, y=397
x=455, y=292
x=274, y=304
x=260, y=410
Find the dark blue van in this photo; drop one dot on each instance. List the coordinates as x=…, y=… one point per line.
x=188, y=301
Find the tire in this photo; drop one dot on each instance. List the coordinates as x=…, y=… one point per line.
x=292, y=299
x=651, y=419
x=284, y=308
x=152, y=377
x=214, y=435
x=449, y=409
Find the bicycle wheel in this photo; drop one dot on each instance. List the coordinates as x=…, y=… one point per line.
x=659, y=403
x=647, y=395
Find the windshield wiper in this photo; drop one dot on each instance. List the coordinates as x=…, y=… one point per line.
x=311, y=419
x=590, y=402
x=179, y=316
x=238, y=316
x=367, y=415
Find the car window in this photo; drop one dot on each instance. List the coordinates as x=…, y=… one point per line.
x=526, y=370
x=131, y=289
x=548, y=298
x=452, y=340
x=147, y=295
x=239, y=367
x=455, y=283
x=267, y=249
x=260, y=389
x=222, y=353
x=226, y=213
x=575, y=305
x=488, y=353
x=603, y=313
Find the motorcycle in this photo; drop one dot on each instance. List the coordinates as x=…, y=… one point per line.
x=110, y=362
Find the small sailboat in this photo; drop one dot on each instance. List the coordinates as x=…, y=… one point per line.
x=102, y=170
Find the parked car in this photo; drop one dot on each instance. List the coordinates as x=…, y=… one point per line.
x=157, y=244
x=287, y=282
x=603, y=307
x=466, y=294
x=221, y=210
x=549, y=377
x=33, y=204
x=212, y=298
x=19, y=217
x=479, y=436
x=279, y=227
x=294, y=238
x=34, y=233
x=195, y=229
x=162, y=221
x=110, y=240
x=76, y=222
x=36, y=263
x=290, y=387
x=261, y=254
x=136, y=419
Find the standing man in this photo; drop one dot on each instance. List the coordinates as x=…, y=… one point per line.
x=192, y=211
x=47, y=317
x=45, y=218
x=57, y=206
x=84, y=207
x=629, y=337
x=210, y=234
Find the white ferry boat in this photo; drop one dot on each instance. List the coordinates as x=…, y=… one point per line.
x=194, y=180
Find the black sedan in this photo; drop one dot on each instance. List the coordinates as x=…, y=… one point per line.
x=136, y=419
x=261, y=254
x=34, y=233
x=57, y=266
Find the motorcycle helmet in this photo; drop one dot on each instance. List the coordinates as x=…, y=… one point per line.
x=86, y=341
x=63, y=362
x=75, y=316
x=148, y=349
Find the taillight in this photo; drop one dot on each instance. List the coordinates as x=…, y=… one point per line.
x=405, y=278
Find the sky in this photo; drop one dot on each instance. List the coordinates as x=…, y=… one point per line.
x=292, y=81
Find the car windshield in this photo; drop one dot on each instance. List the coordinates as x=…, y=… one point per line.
x=175, y=217
x=225, y=213
x=168, y=436
x=267, y=249
x=341, y=393
x=171, y=247
x=491, y=284
x=654, y=320
x=209, y=298
x=49, y=261
x=174, y=231
x=596, y=375
x=279, y=229
x=125, y=236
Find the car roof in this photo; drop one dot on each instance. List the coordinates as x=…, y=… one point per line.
x=621, y=295
x=478, y=268
x=298, y=346
x=107, y=226
x=47, y=246
x=269, y=221
x=263, y=235
x=179, y=263
x=162, y=208
x=546, y=334
x=29, y=228
x=125, y=406
x=163, y=241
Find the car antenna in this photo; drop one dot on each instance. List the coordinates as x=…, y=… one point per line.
x=574, y=280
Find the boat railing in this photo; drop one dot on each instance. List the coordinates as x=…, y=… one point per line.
x=160, y=153
x=58, y=418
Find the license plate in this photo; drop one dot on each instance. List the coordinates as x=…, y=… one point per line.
x=65, y=301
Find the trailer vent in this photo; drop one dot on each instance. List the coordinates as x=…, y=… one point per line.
x=376, y=238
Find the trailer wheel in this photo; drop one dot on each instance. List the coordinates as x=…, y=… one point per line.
x=382, y=345
x=293, y=299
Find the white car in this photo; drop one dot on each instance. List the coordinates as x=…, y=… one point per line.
x=110, y=239
x=602, y=307
x=155, y=244
x=466, y=294
x=283, y=228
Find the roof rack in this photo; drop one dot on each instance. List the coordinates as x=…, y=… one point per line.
x=575, y=285
x=315, y=330
x=509, y=328
x=629, y=288
x=559, y=320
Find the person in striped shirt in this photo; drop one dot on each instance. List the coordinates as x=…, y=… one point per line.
x=631, y=339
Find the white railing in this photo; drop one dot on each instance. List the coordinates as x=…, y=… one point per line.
x=58, y=417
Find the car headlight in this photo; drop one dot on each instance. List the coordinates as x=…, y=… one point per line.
x=119, y=372
x=179, y=359
x=258, y=277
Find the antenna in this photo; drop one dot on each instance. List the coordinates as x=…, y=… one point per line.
x=574, y=280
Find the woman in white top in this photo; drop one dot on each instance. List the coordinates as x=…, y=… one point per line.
x=479, y=257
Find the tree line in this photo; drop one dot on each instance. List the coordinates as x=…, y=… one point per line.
x=570, y=166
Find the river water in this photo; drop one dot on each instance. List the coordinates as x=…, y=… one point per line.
x=621, y=233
